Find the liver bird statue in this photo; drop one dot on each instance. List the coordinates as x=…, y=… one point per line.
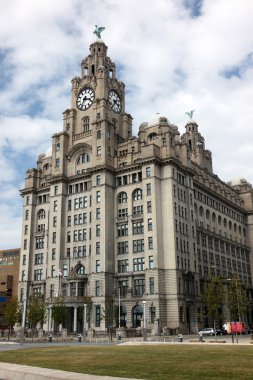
x=190, y=113
x=98, y=30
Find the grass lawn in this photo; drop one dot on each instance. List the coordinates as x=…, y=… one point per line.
x=143, y=362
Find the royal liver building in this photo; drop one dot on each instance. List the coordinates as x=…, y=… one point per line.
x=141, y=221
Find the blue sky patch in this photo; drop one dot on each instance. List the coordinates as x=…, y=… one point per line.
x=240, y=69
x=194, y=6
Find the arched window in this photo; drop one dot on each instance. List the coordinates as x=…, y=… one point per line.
x=41, y=214
x=152, y=136
x=122, y=197
x=207, y=214
x=86, y=124
x=213, y=217
x=219, y=220
x=137, y=315
x=201, y=211
x=83, y=159
x=137, y=194
x=99, y=134
x=225, y=222
x=80, y=270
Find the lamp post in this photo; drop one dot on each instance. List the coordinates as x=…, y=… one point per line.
x=84, y=321
x=144, y=322
x=119, y=307
x=22, y=332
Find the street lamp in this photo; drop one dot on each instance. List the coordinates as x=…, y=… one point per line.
x=84, y=321
x=22, y=332
x=119, y=307
x=144, y=322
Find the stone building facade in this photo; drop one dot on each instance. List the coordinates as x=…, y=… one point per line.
x=139, y=220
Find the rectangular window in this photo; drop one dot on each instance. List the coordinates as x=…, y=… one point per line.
x=138, y=228
x=53, y=253
x=138, y=211
x=150, y=225
x=99, y=150
x=54, y=238
x=57, y=163
x=98, y=268
x=26, y=229
x=151, y=285
x=97, y=288
x=97, y=247
x=55, y=221
x=139, y=264
x=152, y=314
x=151, y=262
x=37, y=275
x=72, y=289
x=23, y=275
x=98, y=213
x=98, y=230
x=97, y=315
x=39, y=243
x=148, y=172
x=150, y=242
x=38, y=258
x=24, y=260
x=52, y=291
x=123, y=288
x=139, y=287
x=68, y=236
x=52, y=270
x=26, y=214
x=122, y=229
x=122, y=247
x=65, y=270
x=69, y=205
x=138, y=245
x=122, y=213
x=55, y=206
x=149, y=207
x=55, y=190
x=148, y=187
x=123, y=266
x=98, y=196
x=98, y=180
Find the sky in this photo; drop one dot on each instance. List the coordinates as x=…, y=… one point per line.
x=173, y=56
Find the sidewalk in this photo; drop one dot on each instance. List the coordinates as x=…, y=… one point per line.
x=24, y=372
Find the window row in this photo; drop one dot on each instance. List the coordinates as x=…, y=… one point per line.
x=138, y=264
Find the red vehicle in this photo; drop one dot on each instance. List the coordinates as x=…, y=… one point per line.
x=235, y=327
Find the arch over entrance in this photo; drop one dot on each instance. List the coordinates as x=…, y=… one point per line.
x=137, y=313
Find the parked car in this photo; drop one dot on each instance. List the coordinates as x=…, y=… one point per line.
x=221, y=332
x=207, y=331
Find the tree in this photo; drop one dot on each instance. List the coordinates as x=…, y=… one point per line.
x=59, y=311
x=213, y=299
x=12, y=313
x=109, y=314
x=237, y=298
x=36, y=311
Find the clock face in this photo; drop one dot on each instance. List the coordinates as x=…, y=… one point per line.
x=114, y=101
x=85, y=98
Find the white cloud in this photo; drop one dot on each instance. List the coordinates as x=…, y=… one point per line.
x=171, y=61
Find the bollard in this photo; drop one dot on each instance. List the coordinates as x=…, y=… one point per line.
x=119, y=336
x=79, y=336
x=50, y=338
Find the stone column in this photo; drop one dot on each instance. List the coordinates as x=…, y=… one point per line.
x=75, y=318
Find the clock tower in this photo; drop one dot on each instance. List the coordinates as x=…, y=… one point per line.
x=97, y=116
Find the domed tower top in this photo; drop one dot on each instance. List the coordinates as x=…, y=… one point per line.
x=196, y=144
